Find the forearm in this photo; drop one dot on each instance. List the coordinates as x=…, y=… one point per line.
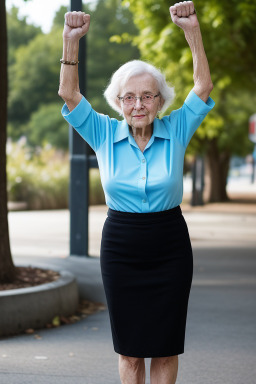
x=202, y=77
x=69, y=81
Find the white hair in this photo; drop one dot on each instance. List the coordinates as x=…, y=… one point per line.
x=134, y=68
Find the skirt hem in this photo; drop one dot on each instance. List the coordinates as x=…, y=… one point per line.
x=149, y=355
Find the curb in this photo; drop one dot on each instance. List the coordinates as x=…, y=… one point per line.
x=34, y=307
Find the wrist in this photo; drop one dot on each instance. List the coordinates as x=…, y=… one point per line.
x=192, y=32
x=70, y=50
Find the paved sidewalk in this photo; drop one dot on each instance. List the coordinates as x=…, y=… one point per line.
x=220, y=341
x=221, y=334
x=46, y=233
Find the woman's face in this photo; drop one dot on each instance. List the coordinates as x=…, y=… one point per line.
x=139, y=115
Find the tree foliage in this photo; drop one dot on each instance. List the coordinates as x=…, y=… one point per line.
x=19, y=32
x=34, y=70
x=228, y=30
x=33, y=78
x=46, y=124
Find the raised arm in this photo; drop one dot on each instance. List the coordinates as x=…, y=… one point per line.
x=76, y=26
x=184, y=16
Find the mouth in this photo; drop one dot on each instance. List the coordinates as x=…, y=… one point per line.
x=139, y=116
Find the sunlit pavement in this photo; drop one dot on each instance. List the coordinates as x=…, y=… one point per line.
x=221, y=332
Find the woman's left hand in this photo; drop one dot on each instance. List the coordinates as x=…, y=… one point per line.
x=184, y=16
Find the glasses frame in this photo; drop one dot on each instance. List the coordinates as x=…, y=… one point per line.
x=138, y=97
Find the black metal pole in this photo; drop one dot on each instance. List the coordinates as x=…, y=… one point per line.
x=197, y=181
x=79, y=167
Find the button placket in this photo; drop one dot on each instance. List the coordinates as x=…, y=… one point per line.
x=142, y=185
x=143, y=169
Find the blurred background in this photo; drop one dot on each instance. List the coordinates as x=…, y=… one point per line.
x=37, y=146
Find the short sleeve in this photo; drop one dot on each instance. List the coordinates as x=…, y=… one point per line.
x=90, y=125
x=188, y=118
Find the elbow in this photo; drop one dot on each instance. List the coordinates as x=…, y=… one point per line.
x=210, y=87
x=71, y=99
x=208, y=90
x=204, y=91
x=68, y=97
x=204, y=87
x=63, y=94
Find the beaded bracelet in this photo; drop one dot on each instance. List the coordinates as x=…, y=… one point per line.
x=68, y=62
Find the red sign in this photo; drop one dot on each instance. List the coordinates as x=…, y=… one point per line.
x=252, y=128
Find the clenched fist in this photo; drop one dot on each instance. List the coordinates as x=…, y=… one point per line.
x=183, y=14
x=76, y=25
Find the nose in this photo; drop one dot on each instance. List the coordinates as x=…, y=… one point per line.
x=138, y=104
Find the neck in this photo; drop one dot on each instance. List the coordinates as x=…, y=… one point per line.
x=142, y=133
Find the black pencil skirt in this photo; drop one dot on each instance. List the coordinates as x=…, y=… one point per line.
x=147, y=265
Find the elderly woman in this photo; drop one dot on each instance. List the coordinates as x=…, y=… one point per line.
x=146, y=257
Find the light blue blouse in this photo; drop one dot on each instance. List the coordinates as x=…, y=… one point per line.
x=132, y=180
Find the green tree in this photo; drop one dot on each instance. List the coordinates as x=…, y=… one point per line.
x=228, y=30
x=58, y=20
x=34, y=74
x=19, y=32
x=47, y=125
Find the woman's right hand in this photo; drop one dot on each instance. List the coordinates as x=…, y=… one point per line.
x=76, y=25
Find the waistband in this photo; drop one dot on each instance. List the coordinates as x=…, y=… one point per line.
x=145, y=217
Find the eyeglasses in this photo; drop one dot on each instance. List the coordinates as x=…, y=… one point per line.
x=145, y=99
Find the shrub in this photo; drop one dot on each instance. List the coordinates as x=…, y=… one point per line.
x=40, y=177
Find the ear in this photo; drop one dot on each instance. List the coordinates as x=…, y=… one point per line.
x=120, y=106
x=118, y=102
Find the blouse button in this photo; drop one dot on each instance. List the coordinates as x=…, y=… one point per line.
x=143, y=178
x=143, y=201
x=143, y=160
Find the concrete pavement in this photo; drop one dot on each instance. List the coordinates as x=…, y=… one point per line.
x=46, y=233
x=220, y=342
x=221, y=333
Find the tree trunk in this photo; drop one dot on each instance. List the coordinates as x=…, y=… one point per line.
x=7, y=268
x=218, y=166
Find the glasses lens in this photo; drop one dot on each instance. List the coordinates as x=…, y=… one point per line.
x=128, y=100
x=147, y=99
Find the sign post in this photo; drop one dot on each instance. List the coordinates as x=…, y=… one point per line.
x=82, y=158
x=197, y=181
x=79, y=170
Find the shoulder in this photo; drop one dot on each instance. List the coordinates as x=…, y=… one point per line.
x=183, y=122
x=84, y=112
x=192, y=105
x=197, y=105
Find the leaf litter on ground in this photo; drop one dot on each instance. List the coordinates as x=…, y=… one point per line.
x=85, y=308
